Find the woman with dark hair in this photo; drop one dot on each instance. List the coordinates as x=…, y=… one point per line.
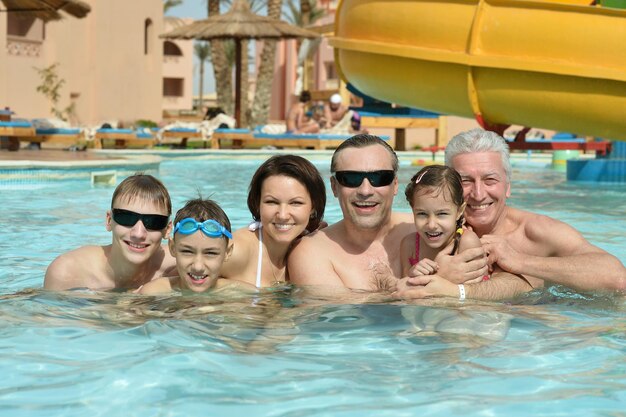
x=286, y=198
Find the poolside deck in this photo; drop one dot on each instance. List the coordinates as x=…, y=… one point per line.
x=56, y=155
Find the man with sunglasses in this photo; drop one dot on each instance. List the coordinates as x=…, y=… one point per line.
x=361, y=251
x=138, y=221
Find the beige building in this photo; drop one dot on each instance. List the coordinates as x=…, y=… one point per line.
x=177, y=69
x=112, y=63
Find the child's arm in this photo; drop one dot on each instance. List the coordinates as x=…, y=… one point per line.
x=470, y=240
x=157, y=286
x=425, y=267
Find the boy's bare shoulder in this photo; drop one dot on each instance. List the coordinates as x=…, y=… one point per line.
x=75, y=269
x=161, y=285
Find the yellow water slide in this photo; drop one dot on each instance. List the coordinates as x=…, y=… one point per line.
x=557, y=65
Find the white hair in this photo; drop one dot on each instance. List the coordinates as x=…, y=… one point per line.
x=479, y=140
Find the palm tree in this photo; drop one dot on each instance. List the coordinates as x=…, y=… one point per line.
x=306, y=14
x=221, y=69
x=203, y=53
x=261, y=105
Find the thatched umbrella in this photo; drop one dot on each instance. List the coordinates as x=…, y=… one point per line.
x=47, y=9
x=239, y=23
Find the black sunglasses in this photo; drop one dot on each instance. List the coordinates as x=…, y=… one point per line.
x=130, y=218
x=353, y=179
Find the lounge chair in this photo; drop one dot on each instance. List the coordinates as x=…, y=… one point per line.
x=54, y=135
x=14, y=130
x=179, y=135
x=257, y=138
x=123, y=138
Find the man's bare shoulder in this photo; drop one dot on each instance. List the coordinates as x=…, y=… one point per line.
x=311, y=260
x=400, y=218
x=528, y=219
x=75, y=269
x=401, y=224
x=534, y=224
x=550, y=236
x=327, y=233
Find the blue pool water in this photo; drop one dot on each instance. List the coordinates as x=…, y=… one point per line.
x=281, y=353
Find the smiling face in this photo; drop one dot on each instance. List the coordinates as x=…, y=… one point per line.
x=136, y=244
x=485, y=189
x=435, y=216
x=199, y=259
x=366, y=206
x=285, y=208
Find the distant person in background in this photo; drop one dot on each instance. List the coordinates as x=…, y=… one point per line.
x=298, y=117
x=334, y=111
x=355, y=124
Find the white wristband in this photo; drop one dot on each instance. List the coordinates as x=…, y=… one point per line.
x=461, y=292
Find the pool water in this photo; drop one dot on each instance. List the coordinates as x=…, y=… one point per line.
x=282, y=352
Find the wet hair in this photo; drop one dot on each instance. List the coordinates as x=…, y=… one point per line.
x=305, y=96
x=201, y=210
x=479, y=140
x=296, y=167
x=363, y=140
x=439, y=178
x=143, y=187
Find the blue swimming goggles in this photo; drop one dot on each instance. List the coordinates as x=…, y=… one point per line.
x=210, y=227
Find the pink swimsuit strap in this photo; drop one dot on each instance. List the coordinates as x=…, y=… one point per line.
x=414, y=260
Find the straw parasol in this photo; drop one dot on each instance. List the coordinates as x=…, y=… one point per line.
x=47, y=10
x=239, y=23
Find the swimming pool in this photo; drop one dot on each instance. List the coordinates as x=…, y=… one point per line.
x=281, y=353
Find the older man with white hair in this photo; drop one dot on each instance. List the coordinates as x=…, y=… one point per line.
x=532, y=247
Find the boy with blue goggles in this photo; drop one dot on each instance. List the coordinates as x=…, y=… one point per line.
x=199, y=256
x=211, y=228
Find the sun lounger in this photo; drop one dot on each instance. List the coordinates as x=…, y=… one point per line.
x=123, y=138
x=246, y=137
x=61, y=136
x=179, y=136
x=14, y=130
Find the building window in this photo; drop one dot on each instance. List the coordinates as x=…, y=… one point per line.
x=147, y=35
x=27, y=28
x=173, y=87
x=171, y=49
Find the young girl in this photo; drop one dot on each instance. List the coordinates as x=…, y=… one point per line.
x=435, y=194
x=201, y=242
